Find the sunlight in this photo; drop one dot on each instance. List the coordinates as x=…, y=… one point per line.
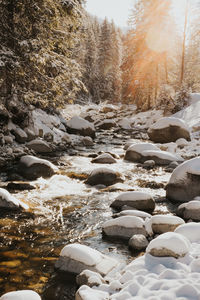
x=178, y=11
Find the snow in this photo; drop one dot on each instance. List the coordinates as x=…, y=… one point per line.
x=125, y=221
x=143, y=147
x=194, y=204
x=174, y=242
x=82, y=253
x=169, y=121
x=165, y=219
x=79, y=123
x=21, y=295
x=191, y=166
x=133, y=196
x=162, y=155
x=30, y=160
x=144, y=120
x=86, y=293
x=9, y=201
x=135, y=213
x=190, y=231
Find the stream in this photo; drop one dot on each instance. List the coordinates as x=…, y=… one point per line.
x=64, y=210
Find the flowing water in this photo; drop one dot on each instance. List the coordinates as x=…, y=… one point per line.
x=64, y=210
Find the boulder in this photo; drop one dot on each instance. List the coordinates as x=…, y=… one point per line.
x=78, y=125
x=165, y=223
x=138, y=200
x=168, y=129
x=106, y=124
x=39, y=146
x=190, y=210
x=8, y=201
x=89, y=278
x=138, y=242
x=20, y=135
x=32, y=167
x=105, y=158
x=124, y=227
x=169, y=244
x=75, y=258
x=144, y=152
x=87, y=293
x=21, y=295
x=103, y=176
x=184, y=184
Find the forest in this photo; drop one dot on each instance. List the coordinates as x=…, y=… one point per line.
x=99, y=151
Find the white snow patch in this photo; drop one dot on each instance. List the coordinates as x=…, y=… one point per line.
x=169, y=121
x=9, y=201
x=162, y=155
x=125, y=221
x=90, y=294
x=143, y=147
x=30, y=160
x=190, y=231
x=21, y=295
x=133, y=196
x=165, y=219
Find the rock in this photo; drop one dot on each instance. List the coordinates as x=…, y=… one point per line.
x=8, y=201
x=124, y=227
x=4, y=115
x=8, y=139
x=21, y=295
x=133, y=212
x=89, y=278
x=149, y=164
x=32, y=167
x=168, y=130
x=103, y=176
x=173, y=165
x=20, y=186
x=108, y=108
x=138, y=200
x=20, y=135
x=106, y=124
x=138, y=242
x=87, y=141
x=48, y=136
x=190, y=210
x=76, y=258
x=169, y=244
x=105, y=158
x=66, y=138
x=31, y=135
x=191, y=231
x=128, y=144
x=87, y=293
x=78, y=125
x=134, y=151
x=39, y=146
x=165, y=223
x=184, y=184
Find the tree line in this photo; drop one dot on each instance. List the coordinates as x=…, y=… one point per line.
x=53, y=52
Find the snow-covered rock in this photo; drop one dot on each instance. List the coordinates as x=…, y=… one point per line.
x=168, y=129
x=184, y=184
x=190, y=230
x=21, y=295
x=138, y=242
x=78, y=125
x=133, y=153
x=138, y=200
x=89, y=278
x=75, y=258
x=32, y=167
x=169, y=244
x=104, y=158
x=86, y=293
x=190, y=210
x=39, y=146
x=106, y=124
x=103, y=176
x=165, y=223
x=133, y=212
x=124, y=227
x=8, y=201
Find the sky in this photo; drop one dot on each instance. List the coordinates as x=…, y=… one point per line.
x=118, y=10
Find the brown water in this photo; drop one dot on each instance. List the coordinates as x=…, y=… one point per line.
x=65, y=210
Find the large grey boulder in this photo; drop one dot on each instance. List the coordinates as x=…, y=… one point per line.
x=184, y=184
x=32, y=167
x=103, y=176
x=8, y=201
x=78, y=125
x=21, y=295
x=39, y=146
x=168, y=129
x=124, y=227
x=144, y=152
x=75, y=258
x=137, y=200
